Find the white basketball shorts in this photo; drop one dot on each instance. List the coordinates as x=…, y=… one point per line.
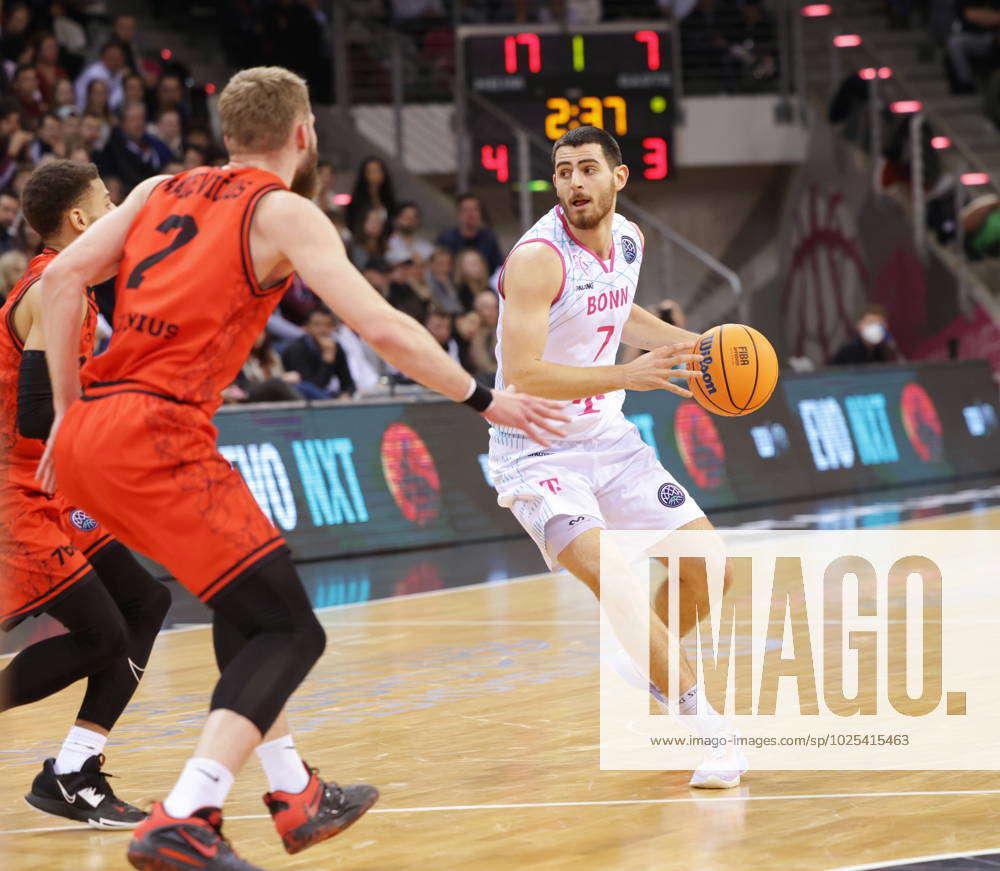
x=613, y=481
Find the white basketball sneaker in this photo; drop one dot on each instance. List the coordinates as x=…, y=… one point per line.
x=722, y=767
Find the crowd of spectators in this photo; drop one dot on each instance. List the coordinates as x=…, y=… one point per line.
x=445, y=280
x=84, y=87
x=79, y=85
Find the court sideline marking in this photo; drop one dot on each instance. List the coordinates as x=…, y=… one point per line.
x=612, y=803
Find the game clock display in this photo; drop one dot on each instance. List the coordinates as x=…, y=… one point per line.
x=552, y=80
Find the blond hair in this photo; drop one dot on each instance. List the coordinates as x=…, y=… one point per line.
x=260, y=106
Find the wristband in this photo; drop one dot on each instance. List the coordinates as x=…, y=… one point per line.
x=480, y=399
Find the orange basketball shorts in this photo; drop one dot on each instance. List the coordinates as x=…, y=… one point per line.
x=44, y=548
x=149, y=469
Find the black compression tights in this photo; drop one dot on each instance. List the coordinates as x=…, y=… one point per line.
x=111, y=621
x=266, y=641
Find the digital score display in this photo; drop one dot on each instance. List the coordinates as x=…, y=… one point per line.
x=553, y=80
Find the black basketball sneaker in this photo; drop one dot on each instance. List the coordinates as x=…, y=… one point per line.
x=166, y=843
x=83, y=796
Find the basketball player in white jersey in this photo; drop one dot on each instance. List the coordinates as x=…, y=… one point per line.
x=567, y=302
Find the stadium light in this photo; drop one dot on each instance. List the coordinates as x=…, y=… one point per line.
x=940, y=142
x=341, y=199
x=847, y=40
x=166, y=54
x=868, y=73
x=885, y=72
x=905, y=107
x=974, y=178
x=210, y=88
x=816, y=10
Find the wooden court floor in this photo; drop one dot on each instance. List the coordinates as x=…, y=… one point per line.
x=475, y=712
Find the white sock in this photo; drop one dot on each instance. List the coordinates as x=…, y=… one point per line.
x=704, y=719
x=203, y=783
x=79, y=746
x=283, y=766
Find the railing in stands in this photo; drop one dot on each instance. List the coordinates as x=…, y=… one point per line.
x=888, y=89
x=745, y=49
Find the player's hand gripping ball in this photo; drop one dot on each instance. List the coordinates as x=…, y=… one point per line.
x=739, y=370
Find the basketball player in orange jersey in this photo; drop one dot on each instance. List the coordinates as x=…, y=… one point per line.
x=567, y=303
x=203, y=259
x=54, y=558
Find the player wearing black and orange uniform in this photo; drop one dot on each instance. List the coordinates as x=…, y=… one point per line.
x=202, y=260
x=54, y=558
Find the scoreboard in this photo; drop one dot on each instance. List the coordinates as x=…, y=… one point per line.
x=551, y=79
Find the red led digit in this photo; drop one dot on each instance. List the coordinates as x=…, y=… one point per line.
x=655, y=158
x=652, y=40
x=534, y=46
x=534, y=50
x=510, y=54
x=494, y=158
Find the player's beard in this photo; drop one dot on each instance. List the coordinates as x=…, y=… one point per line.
x=597, y=209
x=305, y=182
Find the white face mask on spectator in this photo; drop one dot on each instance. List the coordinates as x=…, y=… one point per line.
x=873, y=333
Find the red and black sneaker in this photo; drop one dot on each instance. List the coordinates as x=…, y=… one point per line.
x=166, y=843
x=83, y=796
x=320, y=811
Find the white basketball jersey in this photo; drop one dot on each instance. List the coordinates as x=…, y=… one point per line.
x=585, y=320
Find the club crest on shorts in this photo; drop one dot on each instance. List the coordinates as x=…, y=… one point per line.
x=671, y=496
x=629, y=249
x=83, y=521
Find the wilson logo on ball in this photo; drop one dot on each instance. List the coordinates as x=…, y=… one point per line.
x=705, y=349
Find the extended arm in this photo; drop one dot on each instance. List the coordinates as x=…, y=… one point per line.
x=646, y=331
x=312, y=245
x=304, y=236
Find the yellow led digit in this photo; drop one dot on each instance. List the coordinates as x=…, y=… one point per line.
x=559, y=114
x=617, y=105
x=591, y=111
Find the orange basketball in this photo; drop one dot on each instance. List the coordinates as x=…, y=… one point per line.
x=739, y=370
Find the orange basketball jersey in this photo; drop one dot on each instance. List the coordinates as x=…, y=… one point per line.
x=18, y=455
x=188, y=306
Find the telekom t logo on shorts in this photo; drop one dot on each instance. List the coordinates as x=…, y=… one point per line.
x=551, y=483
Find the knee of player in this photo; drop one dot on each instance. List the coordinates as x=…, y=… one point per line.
x=157, y=602
x=310, y=639
x=109, y=642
